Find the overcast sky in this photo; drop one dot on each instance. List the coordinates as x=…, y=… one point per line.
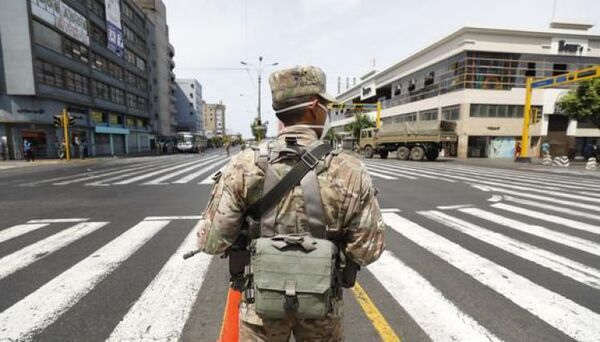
x=343, y=37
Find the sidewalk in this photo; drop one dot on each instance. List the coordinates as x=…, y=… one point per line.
x=13, y=164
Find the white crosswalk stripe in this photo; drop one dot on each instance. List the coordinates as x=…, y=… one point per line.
x=168, y=170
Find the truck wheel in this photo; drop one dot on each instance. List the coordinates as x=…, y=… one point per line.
x=417, y=153
x=368, y=152
x=383, y=154
x=402, y=153
x=432, y=154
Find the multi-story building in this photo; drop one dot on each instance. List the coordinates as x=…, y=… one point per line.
x=214, y=119
x=163, y=79
x=86, y=56
x=189, y=106
x=476, y=77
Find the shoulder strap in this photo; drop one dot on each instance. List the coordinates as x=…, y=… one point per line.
x=307, y=162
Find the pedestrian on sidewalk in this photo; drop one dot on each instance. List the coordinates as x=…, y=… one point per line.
x=545, y=149
x=28, y=150
x=518, y=150
x=227, y=145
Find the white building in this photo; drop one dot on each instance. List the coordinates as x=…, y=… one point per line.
x=476, y=77
x=189, y=106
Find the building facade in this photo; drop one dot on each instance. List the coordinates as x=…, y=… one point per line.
x=476, y=77
x=214, y=119
x=163, y=85
x=86, y=56
x=189, y=106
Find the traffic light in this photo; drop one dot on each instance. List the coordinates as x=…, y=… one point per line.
x=536, y=115
x=71, y=121
x=57, y=121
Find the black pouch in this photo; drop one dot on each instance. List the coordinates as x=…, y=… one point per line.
x=348, y=272
x=239, y=257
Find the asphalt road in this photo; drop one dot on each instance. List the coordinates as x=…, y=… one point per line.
x=92, y=250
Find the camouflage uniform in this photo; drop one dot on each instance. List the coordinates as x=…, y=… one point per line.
x=351, y=212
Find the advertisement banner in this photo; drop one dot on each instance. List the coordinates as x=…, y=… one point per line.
x=113, y=27
x=46, y=10
x=73, y=24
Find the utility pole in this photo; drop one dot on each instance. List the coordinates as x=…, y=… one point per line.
x=65, y=122
x=259, y=70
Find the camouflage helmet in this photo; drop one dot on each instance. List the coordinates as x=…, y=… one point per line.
x=291, y=86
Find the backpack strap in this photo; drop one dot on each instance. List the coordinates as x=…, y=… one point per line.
x=308, y=161
x=267, y=220
x=314, y=205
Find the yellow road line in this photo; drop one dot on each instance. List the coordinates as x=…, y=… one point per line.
x=381, y=325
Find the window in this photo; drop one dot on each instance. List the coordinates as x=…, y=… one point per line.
x=97, y=7
x=46, y=37
x=192, y=85
x=115, y=70
x=129, y=56
x=114, y=118
x=140, y=63
x=76, y=83
x=131, y=78
x=75, y=50
x=49, y=74
x=558, y=69
x=428, y=115
x=127, y=11
x=412, y=85
x=97, y=116
x=101, y=90
x=98, y=34
x=530, y=69
x=117, y=95
x=430, y=78
x=99, y=62
x=131, y=100
x=130, y=122
x=191, y=95
x=451, y=113
x=497, y=111
x=398, y=89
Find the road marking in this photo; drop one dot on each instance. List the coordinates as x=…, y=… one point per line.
x=59, y=220
x=380, y=324
x=381, y=175
x=549, y=218
x=569, y=268
x=18, y=230
x=574, y=320
x=495, y=198
x=151, y=174
x=542, y=232
x=410, y=171
x=101, y=175
x=390, y=210
x=439, y=318
x=197, y=174
x=587, y=193
x=39, y=250
x=209, y=179
x=480, y=187
x=42, y=307
x=173, y=218
x=555, y=208
x=381, y=168
x=103, y=182
x=453, y=207
x=182, y=171
x=163, y=308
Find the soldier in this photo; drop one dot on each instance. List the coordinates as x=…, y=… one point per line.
x=347, y=202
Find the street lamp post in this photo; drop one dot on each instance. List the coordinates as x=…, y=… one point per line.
x=259, y=71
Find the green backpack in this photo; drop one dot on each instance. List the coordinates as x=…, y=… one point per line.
x=291, y=274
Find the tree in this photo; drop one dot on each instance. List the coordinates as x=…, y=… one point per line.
x=258, y=131
x=361, y=121
x=583, y=102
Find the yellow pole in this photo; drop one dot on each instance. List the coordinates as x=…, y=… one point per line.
x=65, y=122
x=526, y=117
x=378, y=118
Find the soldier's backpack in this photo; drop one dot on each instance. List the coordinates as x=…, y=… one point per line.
x=290, y=274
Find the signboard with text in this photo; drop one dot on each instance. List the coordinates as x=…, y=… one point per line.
x=63, y=17
x=114, y=30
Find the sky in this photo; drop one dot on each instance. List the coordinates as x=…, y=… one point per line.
x=345, y=38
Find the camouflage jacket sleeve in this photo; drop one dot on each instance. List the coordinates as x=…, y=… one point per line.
x=222, y=218
x=365, y=227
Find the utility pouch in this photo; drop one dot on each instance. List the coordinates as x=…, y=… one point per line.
x=292, y=275
x=348, y=272
x=239, y=258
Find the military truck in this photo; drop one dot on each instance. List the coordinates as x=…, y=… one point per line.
x=414, y=140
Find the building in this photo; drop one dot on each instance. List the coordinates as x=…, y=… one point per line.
x=189, y=106
x=87, y=56
x=214, y=119
x=476, y=77
x=163, y=80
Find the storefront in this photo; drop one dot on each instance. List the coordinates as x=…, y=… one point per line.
x=110, y=141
